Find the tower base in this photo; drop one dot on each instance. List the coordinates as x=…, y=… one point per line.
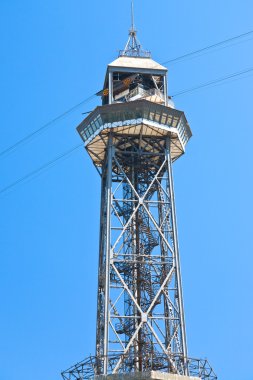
x=149, y=375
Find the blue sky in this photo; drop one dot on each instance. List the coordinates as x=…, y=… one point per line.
x=53, y=55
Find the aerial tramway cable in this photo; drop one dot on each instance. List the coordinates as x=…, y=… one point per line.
x=209, y=47
x=74, y=148
x=44, y=127
x=31, y=135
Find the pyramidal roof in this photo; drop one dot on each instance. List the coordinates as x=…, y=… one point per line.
x=136, y=63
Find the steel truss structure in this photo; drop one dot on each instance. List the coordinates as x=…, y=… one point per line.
x=140, y=307
x=133, y=47
x=132, y=139
x=140, y=317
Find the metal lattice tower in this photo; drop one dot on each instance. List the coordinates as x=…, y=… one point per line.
x=133, y=140
x=133, y=47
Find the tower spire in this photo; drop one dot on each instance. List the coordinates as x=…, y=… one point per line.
x=132, y=14
x=133, y=47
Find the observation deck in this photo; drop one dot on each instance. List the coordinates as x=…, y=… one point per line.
x=141, y=118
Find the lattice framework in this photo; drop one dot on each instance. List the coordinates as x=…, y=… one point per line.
x=140, y=306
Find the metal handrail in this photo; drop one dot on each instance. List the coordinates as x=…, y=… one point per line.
x=135, y=53
x=144, y=93
x=93, y=365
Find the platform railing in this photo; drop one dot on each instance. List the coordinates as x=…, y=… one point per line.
x=92, y=366
x=143, y=93
x=135, y=53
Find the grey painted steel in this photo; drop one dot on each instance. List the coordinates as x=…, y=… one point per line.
x=132, y=14
x=108, y=251
x=140, y=313
x=110, y=87
x=149, y=375
x=165, y=87
x=86, y=369
x=141, y=282
x=176, y=247
x=133, y=47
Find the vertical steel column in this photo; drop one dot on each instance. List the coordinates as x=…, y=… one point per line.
x=100, y=289
x=165, y=90
x=110, y=87
x=176, y=253
x=108, y=250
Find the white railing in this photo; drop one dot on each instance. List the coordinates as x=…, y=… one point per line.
x=142, y=93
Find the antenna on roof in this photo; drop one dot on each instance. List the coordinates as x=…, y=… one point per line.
x=132, y=11
x=133, y=47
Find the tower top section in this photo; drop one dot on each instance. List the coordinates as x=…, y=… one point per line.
x=133, y=47
x=131, y=78
x=135, y=102
x=134, y=75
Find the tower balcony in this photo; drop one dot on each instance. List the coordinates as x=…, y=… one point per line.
x=153, y=95
x=138, y=118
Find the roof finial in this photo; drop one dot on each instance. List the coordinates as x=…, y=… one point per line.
x=132, y=14
x=133, y=46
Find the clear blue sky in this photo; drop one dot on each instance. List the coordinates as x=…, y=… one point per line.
x=53, y=55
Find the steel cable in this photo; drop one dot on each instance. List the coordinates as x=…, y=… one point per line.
x=209, y=47
x=207, y=84
x=182, y=57
x=61, y=156
x=40, y=169
x=43, y=128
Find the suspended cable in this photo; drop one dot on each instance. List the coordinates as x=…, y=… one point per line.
x=215, y=81
x=61, y=156
x=50, y=123
x=179, y=93
x=221, y=43
x=43, y=128
x=40, y=169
